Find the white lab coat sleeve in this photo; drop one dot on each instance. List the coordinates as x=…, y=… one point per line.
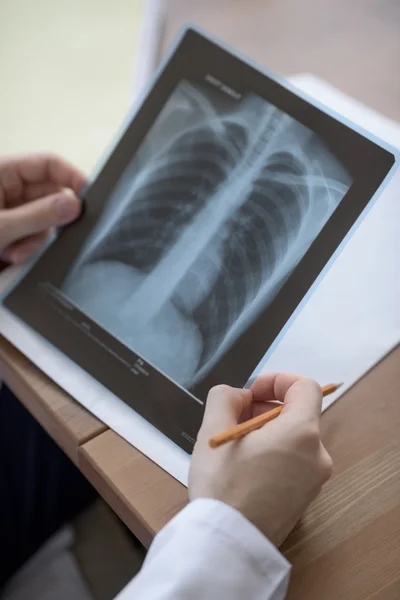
x=209, y=551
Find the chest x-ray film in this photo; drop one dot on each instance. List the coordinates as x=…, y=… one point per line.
x=218, y=208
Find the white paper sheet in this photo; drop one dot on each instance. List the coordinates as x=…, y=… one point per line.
x=350, y=322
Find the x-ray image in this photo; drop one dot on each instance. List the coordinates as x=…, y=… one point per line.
x=207, y=222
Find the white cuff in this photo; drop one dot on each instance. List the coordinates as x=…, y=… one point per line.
x=209, y=550
x=230, y=524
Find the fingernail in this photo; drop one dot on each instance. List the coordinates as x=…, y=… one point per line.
x=67, y=208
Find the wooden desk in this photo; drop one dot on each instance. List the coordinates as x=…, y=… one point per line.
x=348, y=544
x=143, y=495
x=68, y=423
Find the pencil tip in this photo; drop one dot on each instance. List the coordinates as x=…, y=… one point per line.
x=339, y=385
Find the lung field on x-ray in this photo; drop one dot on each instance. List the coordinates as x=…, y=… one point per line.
x=209, y=219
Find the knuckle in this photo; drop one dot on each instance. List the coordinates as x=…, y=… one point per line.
x=219, y=390
x=53, y=157
x=326, y=467
x=215, y=395
x=49, y=158
x=310, y=436
x=313, y=385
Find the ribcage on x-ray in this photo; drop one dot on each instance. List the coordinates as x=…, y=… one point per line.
x=259, y=238
x=178, y=185
x=216, y=221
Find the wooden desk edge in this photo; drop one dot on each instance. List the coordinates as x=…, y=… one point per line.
x=22, y=377
x=112, y=495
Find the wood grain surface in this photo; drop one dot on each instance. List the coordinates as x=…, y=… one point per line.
x=68, y=423
x=347, y=546
x=143, y=495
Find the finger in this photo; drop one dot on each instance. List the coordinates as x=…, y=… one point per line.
x=18, y=252
x=303, y=401
x=269, y=388
x=37, y=216
x=258, y=408
x=224, y=408
x=33, y=191
x=302, y=397
x=273, y=386
x=52, y=168
x=37, y=168
x=11, y=184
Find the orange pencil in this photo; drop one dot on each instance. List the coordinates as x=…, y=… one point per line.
x=243, y=429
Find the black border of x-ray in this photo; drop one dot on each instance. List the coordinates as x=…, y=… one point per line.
x=164, y=404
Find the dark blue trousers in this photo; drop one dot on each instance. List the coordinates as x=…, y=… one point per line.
x=40, y=488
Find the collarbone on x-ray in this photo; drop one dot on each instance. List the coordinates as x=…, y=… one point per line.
x=208, y=221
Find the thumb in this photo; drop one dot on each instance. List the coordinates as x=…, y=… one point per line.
x=303, y=401
x=37, y=216
x=224, y=408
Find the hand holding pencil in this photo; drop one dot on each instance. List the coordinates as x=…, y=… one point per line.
x=277, y=470
x=239, y=431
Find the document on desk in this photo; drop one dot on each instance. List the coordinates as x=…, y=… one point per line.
x=350, y=322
